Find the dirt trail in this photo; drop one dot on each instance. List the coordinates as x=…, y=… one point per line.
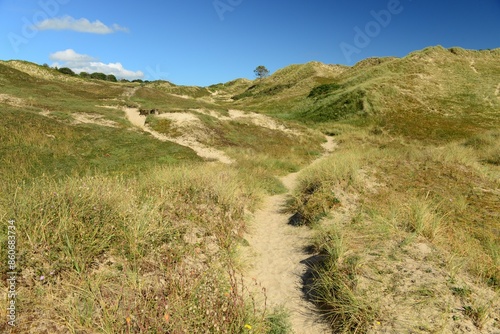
x=473, y=67
x=497, y=91
x=185, y=140
x=277, y=258
x=139, y=121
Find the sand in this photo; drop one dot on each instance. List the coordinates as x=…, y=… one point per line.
x=277, y=259
x=186, y=139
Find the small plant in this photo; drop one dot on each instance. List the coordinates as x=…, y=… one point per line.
x=278, y=321
x=478, y=314
x=462, y=292
x=423, y=219
x=313, y=204
x=334, y=293
x=333, y=287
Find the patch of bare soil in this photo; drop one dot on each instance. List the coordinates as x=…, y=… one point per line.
x=129, y=92
x=416, y=294
x=277, y=257
x=472, y=66
x=188, y=138
x=251, y=117
x=183, y=120
x=135, y=117
x=79, y=118
x=12, y=100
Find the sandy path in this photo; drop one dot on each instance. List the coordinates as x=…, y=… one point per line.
x=473, y=67
x=139, y=121
x=277, y=255
x=185, y=140
x=497, y=91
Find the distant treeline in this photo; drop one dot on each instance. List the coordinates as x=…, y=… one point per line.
x=95, y=75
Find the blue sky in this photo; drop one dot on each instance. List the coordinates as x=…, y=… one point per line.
x=202, y=42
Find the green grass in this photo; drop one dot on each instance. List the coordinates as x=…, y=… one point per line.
x=103, y=249
x=315, y=195
x=444, y=100
x=164, y=126
x=260, y=153
x=278, y=322
x=33, y=145
x=334, y=286
x=120, y=232
x=125, y=233
x=58, y=96
x=150, y=98
x=405, y=191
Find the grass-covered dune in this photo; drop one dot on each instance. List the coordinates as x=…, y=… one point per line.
x=118, y=231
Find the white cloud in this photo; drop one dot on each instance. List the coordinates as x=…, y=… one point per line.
x=85, y=63
x=117, y=27
x=80, y=25
x=70, y=55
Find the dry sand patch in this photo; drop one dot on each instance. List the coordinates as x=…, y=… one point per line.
x=278, y=259
x=85, y=118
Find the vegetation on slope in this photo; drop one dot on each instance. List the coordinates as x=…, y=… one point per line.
x=147, y=253
x=418, y=221
x=433, y=88
x=280, y=92
x=445, y=98
x=409, y=204
x=119, y=232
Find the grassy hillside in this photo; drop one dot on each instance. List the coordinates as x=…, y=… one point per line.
x=279, y=92
x=410, y=203
x=120, y=230
x=453, y=92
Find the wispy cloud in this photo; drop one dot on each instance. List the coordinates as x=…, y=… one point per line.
x=80, y=25
x=85, y=63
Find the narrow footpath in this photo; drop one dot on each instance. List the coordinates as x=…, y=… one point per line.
x=277, y=256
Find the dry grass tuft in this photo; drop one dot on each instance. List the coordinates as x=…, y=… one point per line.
x=146, y=254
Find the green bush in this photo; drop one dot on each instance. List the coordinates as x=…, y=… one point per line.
x=323, y=90
x=66, y=70
x=98, y=76
x=111, y=78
